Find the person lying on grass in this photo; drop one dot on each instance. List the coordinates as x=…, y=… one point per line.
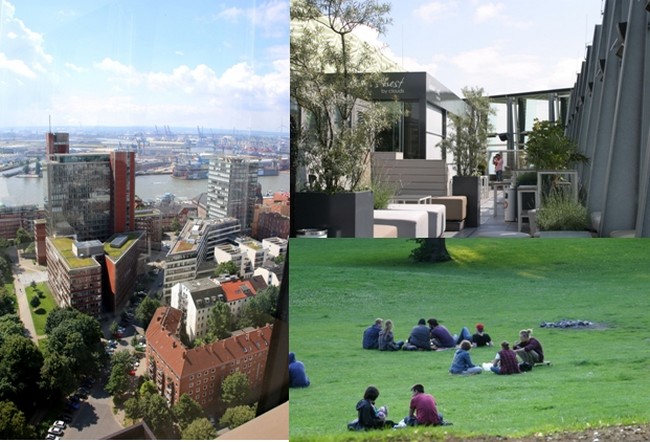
x=462, y=362
x=528, y=348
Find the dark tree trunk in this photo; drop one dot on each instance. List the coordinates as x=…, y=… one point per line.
x=431, y=250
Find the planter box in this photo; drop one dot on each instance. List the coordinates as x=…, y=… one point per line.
x=343, y=215
x=469, y=186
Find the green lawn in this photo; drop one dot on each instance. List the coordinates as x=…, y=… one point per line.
x=598, y=377
x=39, y=315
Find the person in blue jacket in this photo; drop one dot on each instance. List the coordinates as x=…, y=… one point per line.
x=462, y=362
x=371, y=335
x=297, y=375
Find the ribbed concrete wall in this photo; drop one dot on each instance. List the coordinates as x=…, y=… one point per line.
x=410, y=176
x=609, y=118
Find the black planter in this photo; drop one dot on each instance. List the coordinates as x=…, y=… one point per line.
x=343, y=215
x=469, y=186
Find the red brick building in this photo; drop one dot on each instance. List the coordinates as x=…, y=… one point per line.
x=199, y=372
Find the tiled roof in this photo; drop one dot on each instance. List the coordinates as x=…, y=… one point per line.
x=162, y=337
x=236, y=290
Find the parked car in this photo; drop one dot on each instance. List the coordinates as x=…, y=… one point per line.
x=65, y=417
x=81, y=394
x=55, y=431
x=60, y=424
x=52, y=437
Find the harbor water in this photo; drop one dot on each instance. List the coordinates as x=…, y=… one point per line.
x=16, y=191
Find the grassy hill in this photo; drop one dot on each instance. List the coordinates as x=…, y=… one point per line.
x=598, y=377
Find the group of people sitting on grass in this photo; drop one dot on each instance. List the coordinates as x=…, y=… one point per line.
x=522, y=357
x=435, y=336
x=422, y=411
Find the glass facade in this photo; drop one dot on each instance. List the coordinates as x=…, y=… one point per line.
x=232, y=188
x=79, y=196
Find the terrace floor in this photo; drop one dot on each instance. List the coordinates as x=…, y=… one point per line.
x=491, y=225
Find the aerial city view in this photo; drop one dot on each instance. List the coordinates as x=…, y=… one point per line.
x=144, y=219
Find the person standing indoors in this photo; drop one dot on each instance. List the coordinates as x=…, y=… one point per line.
x=528, y=348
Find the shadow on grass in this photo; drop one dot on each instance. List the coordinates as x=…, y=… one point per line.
x=40, y=311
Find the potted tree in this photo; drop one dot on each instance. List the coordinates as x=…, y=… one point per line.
x=332, y=75
x=468, y=145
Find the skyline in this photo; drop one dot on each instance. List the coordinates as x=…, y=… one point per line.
x=219, y=65
x=505, y=46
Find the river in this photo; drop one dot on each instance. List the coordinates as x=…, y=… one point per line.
x=16, y=191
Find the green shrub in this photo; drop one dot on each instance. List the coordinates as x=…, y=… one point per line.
x=527, y=179
x=561, y=212
x=382, y=194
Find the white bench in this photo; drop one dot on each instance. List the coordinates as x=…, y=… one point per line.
x=436, y=213
x=409, y=223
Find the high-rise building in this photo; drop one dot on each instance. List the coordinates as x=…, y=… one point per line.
x=56, y=143
x=232, y=188
x=91, y=195
x=192, y=254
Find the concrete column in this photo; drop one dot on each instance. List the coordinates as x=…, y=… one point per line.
x=586, y=144
x=643, y=215
x=605, y=108
x=622, y=179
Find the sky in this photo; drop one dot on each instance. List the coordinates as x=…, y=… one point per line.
x=221, y=64
x=505, y=46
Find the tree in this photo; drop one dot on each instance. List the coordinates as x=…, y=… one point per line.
x=35, y=301
x=234, y=388
x=20, y=368
x=148, y=387
x=77, y=336
x=132, y=408
x=186, y=410
x=468, y=143
x=10, y=324
x=56, y=375
x=145, y=311
x=119, y=381
x=331, y=75
x=548, y=148
x=431, y=250
x=220, y=320
x=13, y=424
x=7, y=306
x=228, y=267
x=26, y=168
x=23, y=236
x=156, y=413
x=260, y=310
x=37, y=168
x=236, y=416
x=199, y=429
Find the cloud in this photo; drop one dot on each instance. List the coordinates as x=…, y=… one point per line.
x=110, y=65
x=23, y=47
x=433, y=11
x=75, y=68
x=270, y=16
x=16, y=66
x=487, y=11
